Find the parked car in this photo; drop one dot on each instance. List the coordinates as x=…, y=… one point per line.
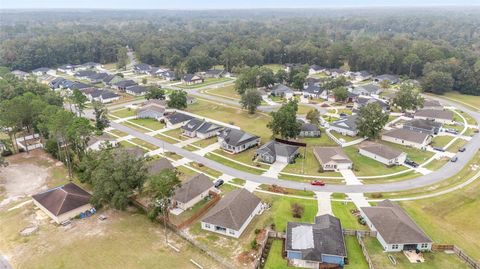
x=343, y=115
x=454, y=159
x=411, y=163
x=318, y=183
x=462, y=149
x=219, y=183
x=452, y=131
x=439, y=149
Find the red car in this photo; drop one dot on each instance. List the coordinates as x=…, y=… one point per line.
x=318, y=183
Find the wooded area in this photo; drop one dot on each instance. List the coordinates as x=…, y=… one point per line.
x=441, y=47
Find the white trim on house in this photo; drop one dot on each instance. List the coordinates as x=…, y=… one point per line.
x=395, y=161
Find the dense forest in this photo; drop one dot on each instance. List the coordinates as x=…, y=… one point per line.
x=439, y=47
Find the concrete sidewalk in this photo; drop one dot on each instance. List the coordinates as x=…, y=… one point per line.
x=350, y=177
x=324, y=203
x=183, y=143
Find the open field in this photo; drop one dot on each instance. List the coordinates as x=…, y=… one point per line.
x=124, y=113
x=227, y=91
x=149, y=123
x=274, y=67
x=433, y=260
x=365, y=166
x=471, y=101
x=144, y=144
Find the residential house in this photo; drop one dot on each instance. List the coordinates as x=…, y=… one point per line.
x=102, y=96
x=214, y=73
x=20, y=74
x=123, y=84
x=176, y=120
x=363, y=101
x=290, y=67
x=360, y=76
x=232, y=214
x=111, y=79
x=142, y=68
x=191, y=79
x=382, y=153
x=336, y=72
x=192, y=191
x=168, y=75
x=90, y=65
x=318, y=245
x=312, y=81
x=84, y=74
x=423, y=126
x=136, y=90
x=332, y=158
x=282, y=91
x=309, y=130
x=44, y=71
x=152, y=110
x=235, y=141
x=98, y=142
x=432, y=104
x=408, y=138
x=274, y=151
x=97, y=77
x=442, y=116
x=315, y=69
x=46, y=79
x=67, y=68
x=396, y=231
x=159, y=165
x=200, y=128
x=346, y=126
x=392, y=79
x=63, y=203
x=313, y=91
x=367, y=89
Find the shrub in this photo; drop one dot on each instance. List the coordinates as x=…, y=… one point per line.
x=6, y=153
x=297, y=210
x=377, y=195
x=257, y=231
x=254, y=244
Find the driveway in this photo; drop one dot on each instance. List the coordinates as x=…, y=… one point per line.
x=324, y=203
x=275, y=169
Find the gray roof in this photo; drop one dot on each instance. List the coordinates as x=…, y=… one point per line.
x=125, y=83
x=176, y=117
x=435, y=114
x=193, y=125
x=191, y=77
x=313, y=89
x=362, y=101
x=325, y=236
x=424, y=124
x=394, y=225
x=392, y=78
x=233, y=210
x=99, y=138
x=431, y=103
x=234, y=137
x=208, y=127
x=214, y=72
x=330, y=154
x=142, y=67
x=152, y=107
x=309, y=127
x=369, y=88
x=41, y=69
x=137, y=89
x=278, y=149
x=381, y=150
x=159, y=165
x=85, y=73
x=408, y=135
x=193, y=187
x=281, y=89
x=348, y=123
x=316, y=67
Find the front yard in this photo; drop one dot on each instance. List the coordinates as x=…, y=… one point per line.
x=416, y=155
x=149, y=123
x=365, y=166
x=441, y=140
x=124, y=113
x=227, y=91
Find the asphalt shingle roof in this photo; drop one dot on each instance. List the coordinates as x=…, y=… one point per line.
x=63, y=199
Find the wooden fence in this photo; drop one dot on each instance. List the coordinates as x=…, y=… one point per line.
x=464, y=257
x=200, y=212
x=363, y=233
x=442, y=247
x=364, y=251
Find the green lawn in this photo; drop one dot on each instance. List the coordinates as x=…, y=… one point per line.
x=244, y=157
x=436, y=164
x=303, y=109
x=365, y=166
x=441, y=141
x=124, y=113
x=118, y=133
x=176, y=133
x=233, y=164
x=275, y=259
x=255, y=124
x=417, y=155
x=207, y=81
x=307, y=179
x=341, y=210
x=166, y=139
x=288, y=191
x=206, y=142
x=149, y=123
x=356, y=260
x=455, y=146
x=455, y=127
x=433, y=260
x=206, y=170
x=400, y=177
x=143, y=143
x=227, y=91
x=468, y=118
x=345, y=138
x=238, y=181
x=472, y=101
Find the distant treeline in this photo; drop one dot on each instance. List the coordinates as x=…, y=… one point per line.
x=440, y=47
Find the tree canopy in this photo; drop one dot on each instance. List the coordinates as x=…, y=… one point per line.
x=371, y=120
x=284, y=122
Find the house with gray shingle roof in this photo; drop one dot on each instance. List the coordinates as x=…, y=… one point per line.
x=382, y=153
x=152, y=110
x=159, y=165
x=282, y=91
x=309, y=130
x=367, y=89
x=408, y=138
x=275, y=151
x=232, y=214
x=423, y=126
x=396, y=231
x=236, y=141
x=190, y=79
x=392, y=79
x=332, y=158
x=192, y=191
x=200, y=128
x=176, y=119
x=314, y=91
x=316, y=245
x=345, y=126
x=438, y=115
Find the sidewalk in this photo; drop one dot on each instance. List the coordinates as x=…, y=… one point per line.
x=324, y=203
x=275, y=169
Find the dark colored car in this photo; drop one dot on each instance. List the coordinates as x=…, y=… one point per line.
x=462, y=149
x=439, y=149
x=343, y=115
x=318, y=183
x=219, y=183
x=452, y=131
x=454, y=159
x=411, y=163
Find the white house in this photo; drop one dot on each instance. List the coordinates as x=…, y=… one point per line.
x=346, y=126
x=332, y=158
x=235, y=141
x=408, y=138
x=97, y=142
x=382, y=153
x=200, y=128
x=231, y=215
x=44, y=71
x=396, y=231
x=192, y=191
x=152, y=110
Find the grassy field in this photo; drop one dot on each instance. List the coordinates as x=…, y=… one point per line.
x=206, y=142
x=365, y=166
x=433, y=260
x=118, y=133
x=395, y=178
x=176, y=133
x=227, y=91
x=255, y=124
x=233, y=164
x=244, y=157
x=149, y=123
x=471, y=101
x=468, y=118
x=207, y=81
x=166, y=139
x=123, y=113
x=436, y=164
x=455, y=146
x=144, y=144
x=354, y=253
x=349, y=221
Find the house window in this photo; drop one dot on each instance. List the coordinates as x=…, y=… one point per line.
x=207, y=225
x=424, y=245
x=394, y=246
x=231, y=232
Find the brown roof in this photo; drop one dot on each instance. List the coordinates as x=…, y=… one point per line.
x=153, y=106
x=431, y=103
x=159, y=165
x=233, y=210
x=381, y=150
x=192, y=188
x=329, y=154
x=435, y=114
x=63, y=199
x=407, y=135
x=394, y=225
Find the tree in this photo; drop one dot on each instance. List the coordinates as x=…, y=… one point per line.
x=408, y=97
x=284, y=122
x=155, y=93
x=340, y=93
x=101, y=116
x=114, y=175
x=3, y=162
x=299, y=80
x=333, y=83
x=144, y=81
x=178, y=99
x=79, y=100
x=437, y=82
x=297, y=210
x=58, y=126
x=122, y=58
x=281, y=76
x=161, y=188
x=384, y=84
x=371, y=120
x=250, y=100
x=313, y=116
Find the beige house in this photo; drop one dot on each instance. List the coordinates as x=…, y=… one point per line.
x=408, y=138
x=192, y=191
x=438, y=115
x=332, y=158
x=382, y=153
x=63, y=203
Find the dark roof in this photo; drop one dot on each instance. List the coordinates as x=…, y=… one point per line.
x=309, y=127
x=392, y=78
x=56, y=82
x=191, y=77
x=176, y=117
x=208, y=127
x=78, y=85
x=63, y=199
x=193, y=187
x=311, y=80
x=280, y=89
x=159, y=165
x=337, y=70
x=98, y=76
x=108, y=94
x=348, y=123
x=125, y=83
x=362, y=101
x=423, y=124
x=234, y=137
x=325, y=236
x=435, y=113
x=408, y=135
x=370, y=88
x=316, y=67
x=137, y=89
x=275, y=148
x=193, y=125
x=381, y=150
x=330, y=154
x=233, y=210
x=85, y=73
x=41, y=69
x=142, y=67
x=394, y=225
x=431, y=103
x=313, y=89
x=214, y=72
